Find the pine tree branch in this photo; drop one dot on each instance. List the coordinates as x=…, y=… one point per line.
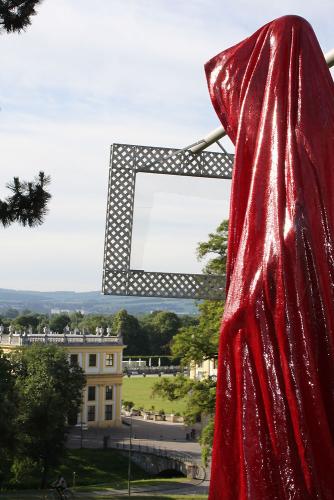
x=28, y=203
x=15, y=14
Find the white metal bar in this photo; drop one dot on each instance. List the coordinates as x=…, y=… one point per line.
x=219, y=132
x=329, y=56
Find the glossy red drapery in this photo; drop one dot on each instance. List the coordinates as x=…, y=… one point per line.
x=274, y=426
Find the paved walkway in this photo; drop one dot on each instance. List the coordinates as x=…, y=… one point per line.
x=163, y=435
x=160, y=435
x=167, y=488
x=187, y=488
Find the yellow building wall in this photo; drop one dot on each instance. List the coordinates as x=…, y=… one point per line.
x=206, y=369
x=99, y=377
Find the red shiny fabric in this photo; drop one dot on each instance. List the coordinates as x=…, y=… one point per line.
x=274, y=428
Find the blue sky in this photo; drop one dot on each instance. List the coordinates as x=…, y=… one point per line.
x=80, y=79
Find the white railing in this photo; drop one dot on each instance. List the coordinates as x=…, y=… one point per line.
x=20, y=339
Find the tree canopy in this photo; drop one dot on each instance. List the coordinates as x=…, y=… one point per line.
x=47, y=389
x=27, y=204
x=216, y=247
x=7, y=413
x=160, y=328
x=15, y=15
x=133, y=335
x=196, y=343
x=58, y=322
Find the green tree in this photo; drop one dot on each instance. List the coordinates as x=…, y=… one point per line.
x=160, y=326
x=76, y=318
x=25, y=321
x=188, y=320
x=7, y=414
x=216, y=248
x=199, y=342
x=134, y=336
x=58, y=322
x=27, y=204
x=195, y=343
x=92, y=321
x=15, y=15
x=48, y=389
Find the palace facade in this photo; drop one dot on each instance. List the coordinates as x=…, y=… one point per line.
x=100, y=357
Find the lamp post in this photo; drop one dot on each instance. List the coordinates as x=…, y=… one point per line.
x=129, y=460
x=81, y=432
x=81, y=429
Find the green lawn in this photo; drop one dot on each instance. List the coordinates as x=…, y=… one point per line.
x=96, y=466
x=139, y=391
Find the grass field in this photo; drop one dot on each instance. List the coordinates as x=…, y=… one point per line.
x=139, y=390
x=94, y=466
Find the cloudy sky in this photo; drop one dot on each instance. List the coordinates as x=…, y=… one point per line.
x=87, y=74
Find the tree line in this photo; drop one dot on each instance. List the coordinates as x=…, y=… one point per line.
x=148, y=334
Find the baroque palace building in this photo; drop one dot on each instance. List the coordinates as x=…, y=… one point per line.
x=100, y=357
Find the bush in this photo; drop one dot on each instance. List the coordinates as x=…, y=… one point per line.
x=25, y=472
x=127, y=405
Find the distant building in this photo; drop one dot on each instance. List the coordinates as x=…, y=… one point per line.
x=206, y=369
x=132, y=363
x=67, y=311
x=100, y=356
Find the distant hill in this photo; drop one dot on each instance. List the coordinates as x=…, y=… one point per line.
x=89, y=302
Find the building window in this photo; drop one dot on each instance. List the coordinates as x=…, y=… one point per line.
x=74, y=359
x=108, y=392
x=215, y=364
x=109, y=360
x=91, y=413
x=108, y=412
x=92, y=360
x=91, y=393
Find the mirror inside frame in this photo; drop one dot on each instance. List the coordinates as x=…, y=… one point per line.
x=172, y=214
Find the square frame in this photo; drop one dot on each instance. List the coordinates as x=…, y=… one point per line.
x=126, y=161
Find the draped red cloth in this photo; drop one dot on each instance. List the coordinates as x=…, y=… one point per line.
x=274, y=426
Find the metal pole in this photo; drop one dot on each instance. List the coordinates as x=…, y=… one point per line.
x=329, y=56
x=81, y=431
x=129, y=462
x=219, y=132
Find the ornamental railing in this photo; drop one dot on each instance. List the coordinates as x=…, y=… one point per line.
x=21, y=339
